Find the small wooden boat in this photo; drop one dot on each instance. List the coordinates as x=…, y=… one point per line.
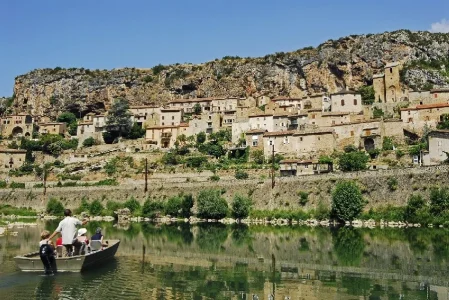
x=31, y=262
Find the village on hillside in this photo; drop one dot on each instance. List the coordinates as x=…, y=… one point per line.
x=303, y=133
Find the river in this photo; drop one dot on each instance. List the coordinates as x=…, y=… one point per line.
x=214, y=261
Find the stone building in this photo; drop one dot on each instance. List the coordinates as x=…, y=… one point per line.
x=188, y=105
x=17, y=125
x=346, y=101
x=146, y=115
x=297, y=167
x=415, y=118
x=441, y=95
x=165, y=136
x=254, y=138
x=53, y=128
x=170, y=116
x=387, y=86
x=438, y=147
x=224, y=104
x=11, y=158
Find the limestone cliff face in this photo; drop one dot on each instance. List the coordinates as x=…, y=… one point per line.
x=336, y=64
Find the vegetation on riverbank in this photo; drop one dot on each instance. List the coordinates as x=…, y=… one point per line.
x=17, y=211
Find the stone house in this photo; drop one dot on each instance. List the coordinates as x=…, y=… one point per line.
x=238, y=130
x=261, y=121
x=146, y=115
x=207, y=122
x=170, y=116
x=254, y=138
x=297, y=167
x=12, y=158
x=441, y=95
x=387, y=86
x=366, y=135
x=224, y=104
x=438, y=147
x=346, y=101
x=415, y=118
x=17, y=125
x=53, y=128
x=188, y=105
x=165, y=136
x=228, y=118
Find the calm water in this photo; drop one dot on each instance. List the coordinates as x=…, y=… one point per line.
x=237, y=262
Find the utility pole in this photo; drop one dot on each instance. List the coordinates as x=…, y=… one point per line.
x=273, y=183
x=146, y=175
x=45, y=180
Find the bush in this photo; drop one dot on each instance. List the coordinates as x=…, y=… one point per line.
x=392, y=183
x=111, y=167
x=303, y=197
x=201, y=137
x=136, y=132
x=211, y=205
x=170, y=158
x=17, y=211
x=240, y=174
x=84, y=206
x=258, y=156
x=112, y=206
x=132, y=204
x=152, y=209
x=55, y=207
x=89, y=142
x=3, y=184
x=109, y=181
x=173, y=206
x=350, y=148
x=399, y=154
x=387, y=144
x=439, y=201
x=353, y=161
x=17, y=185
x=416, y=210
x=195, y=161
x=241, y=207
x=96, y=208
x=186, y=205
x=377, y=113
x=214, y=178
x=347, y=201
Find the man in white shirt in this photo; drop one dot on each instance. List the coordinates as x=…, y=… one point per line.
x=68, y=230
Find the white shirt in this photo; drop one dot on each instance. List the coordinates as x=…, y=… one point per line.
x=67, y=228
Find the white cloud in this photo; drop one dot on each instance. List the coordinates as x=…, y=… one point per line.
x=442, y=26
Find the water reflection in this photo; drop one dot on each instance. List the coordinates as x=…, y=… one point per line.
x=214, y=261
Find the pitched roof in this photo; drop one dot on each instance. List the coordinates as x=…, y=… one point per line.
x=256, y=131
x=426, y=106
x=195, y=100
x=440, y=90
x=279, y=133
x=344, y=92
x=295, y=161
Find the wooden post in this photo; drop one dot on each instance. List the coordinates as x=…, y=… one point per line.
x=146, y=175
x=45, y=180
x=143, y=258
x=272, y=169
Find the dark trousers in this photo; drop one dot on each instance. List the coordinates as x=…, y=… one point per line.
x=49, y=264
x=73, y=249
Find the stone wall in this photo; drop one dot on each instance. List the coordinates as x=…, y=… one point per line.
x=374, y=185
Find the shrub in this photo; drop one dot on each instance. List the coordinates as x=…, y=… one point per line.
x=109, y=181
x=347, y=201
x=132, y=204
x=258, y=156
x=112, y=206
x=353, y=161
x=3, y=184
x=195, y=161
x=240, y=174
x=439, y=201
x=186, y=205
x=377, y=113
x=350, y=148
x=303, y=197
x=89, y=142
x=151, y=209
x=416, y=210
x=55, y=207
x=399, y=154
x=392, y=183
x=214, y=178
x=17, y=185
x=241, y=207
x=84, y=206
x=173, y=206
x=387, y=144
x=211, y=205
x=96, y=208
x=111, y=167
x=170, y=158
x=201, y=137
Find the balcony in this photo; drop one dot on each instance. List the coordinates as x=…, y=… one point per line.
x=166, y=135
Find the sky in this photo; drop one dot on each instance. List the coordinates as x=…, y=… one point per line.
x=107, y=34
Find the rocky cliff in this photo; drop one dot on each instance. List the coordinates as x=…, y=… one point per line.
x=336, y=64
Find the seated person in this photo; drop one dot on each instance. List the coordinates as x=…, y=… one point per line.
x=59, y=246
x=83, y=241
x=98, y=237
x=47, y=253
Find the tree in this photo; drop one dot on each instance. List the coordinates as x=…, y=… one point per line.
x=54, y=207
x=173, y=206
x=387, y=143
x=353, y=161
x=258, y=156
x=367, y=93
x=197, y=109
x=70, y=119
x=186, y=205
x=444, y=123
x=347, y=201
x=241, y=206
x=96, y=208
x=211, y=205
x=136, y=132
x=118, y=121
x=201, y=137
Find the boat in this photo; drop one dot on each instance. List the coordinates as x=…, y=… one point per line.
x=31, y=262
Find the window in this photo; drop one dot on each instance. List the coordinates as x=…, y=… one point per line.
x=352, y=133
x=162, y=123
x=410, y=120
x=409, y=113
x=435, y=95
x=342, y=102
x=172, y=117
x=270, y=143
x=319, y=139
x=300, y=139
x=333, y=122
x=306, y=166
x=210, y=117
x=313, y=116
x=255, y=143
x=163, y=117
x=285, y=108
x=355, y=101
x=286, y=140
x=172, y=123
x=391, y=70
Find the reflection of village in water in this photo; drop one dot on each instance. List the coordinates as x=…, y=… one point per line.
x=240, y=262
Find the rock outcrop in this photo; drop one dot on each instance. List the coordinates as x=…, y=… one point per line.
x=334, y=65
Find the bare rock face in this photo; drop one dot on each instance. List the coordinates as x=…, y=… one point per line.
x=336, y=64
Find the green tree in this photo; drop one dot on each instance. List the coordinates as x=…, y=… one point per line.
x=387, y=143
x=240, y=174
x=241, y=206
x=152, y=209
x=444, y=123
x=173, y=206
x=353, y=161
x=258, y=156
x=439, y=201
x=197, y=109
x=416, y=210
x=118, y=121
x=96, y=208
x=367, y=93
x=71, y=121
x=136, y=132
x=211, y=205
x=132, y=204
x=201, y=137
x=186, y=205
x=347, y=201
x=377, y=113
x=54, y=207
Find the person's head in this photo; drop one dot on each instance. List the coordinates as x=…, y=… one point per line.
x=98, y=230
x=45, y=234
x=67, y=212
x=82, y=231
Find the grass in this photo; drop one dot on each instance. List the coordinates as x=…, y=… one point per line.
x=18, y=211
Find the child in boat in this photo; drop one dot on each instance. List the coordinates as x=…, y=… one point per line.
x=83, y=240
x=47, y=252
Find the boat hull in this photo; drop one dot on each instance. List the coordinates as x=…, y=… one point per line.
x=31, y=262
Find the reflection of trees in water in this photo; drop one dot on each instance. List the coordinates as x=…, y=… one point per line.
x=173, y=233
x=418, y=239
x=211, y=236
x=356, y=285
x=348, y=245
x=241, y=235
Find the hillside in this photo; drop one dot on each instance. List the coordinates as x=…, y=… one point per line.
x=348, y=62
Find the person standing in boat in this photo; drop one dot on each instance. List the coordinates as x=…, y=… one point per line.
x=68, y=230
